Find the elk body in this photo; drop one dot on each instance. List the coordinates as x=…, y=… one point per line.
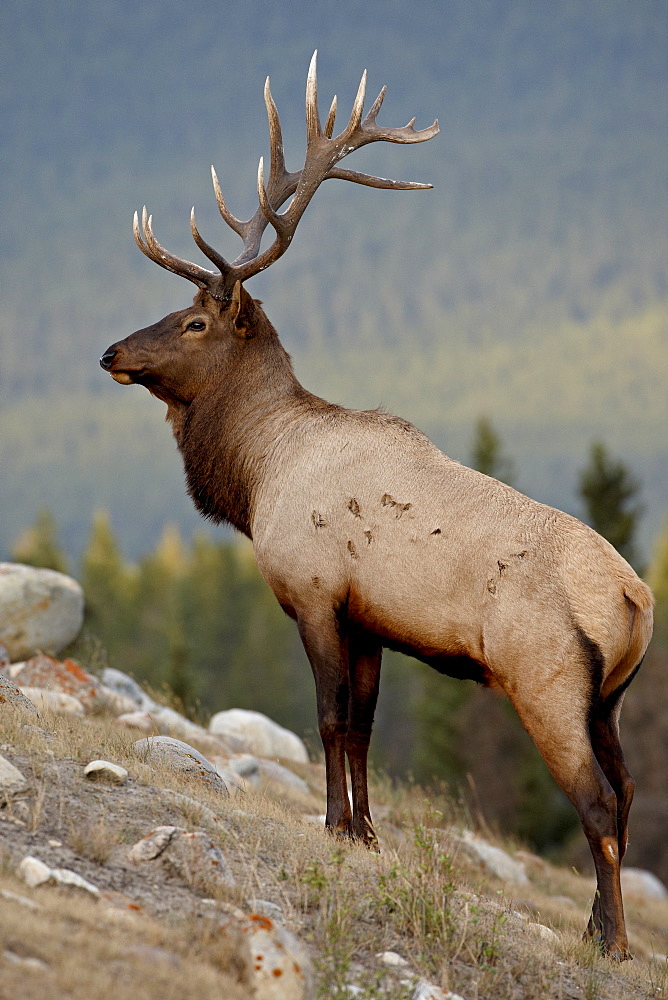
x=371, y=538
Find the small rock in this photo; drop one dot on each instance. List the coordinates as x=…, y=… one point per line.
x=4, y=657
x=172, y=723
x=64, y=876
x=261, y=735
x=197, y=859
x=15, y=897
x=113, y=702
x=181, y=757
x=642, y=884
x=496, y=861
x=546, y=933
x=266, y=909
x=153, y=844
x=277, y=965
x=245, y=765
x=126, y=686
x=39, y=609
x=427, y=991
x=162, y=721
x=33, y=871
x=12, y=781
x=104, y=770
x=142, y=721
x=53, y=701
x=65, y=676
x=30, y=963
x=392, y=959
x=195, y=812
x=274, y=775
x=232, y=780
x=10, y=694
x=193, y=857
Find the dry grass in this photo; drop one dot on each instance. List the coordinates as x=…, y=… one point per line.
x=74, y=947
x=420, y=897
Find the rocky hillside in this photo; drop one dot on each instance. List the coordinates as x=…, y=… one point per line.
x=143, y=855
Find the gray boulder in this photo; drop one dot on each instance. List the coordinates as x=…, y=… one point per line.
x=641, y=884
x=11, y=780
x=127, y=687
x=261, y=735
x=39, y=610
x=180, y=757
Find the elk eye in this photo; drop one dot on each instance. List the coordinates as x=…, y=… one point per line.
x=197, y=325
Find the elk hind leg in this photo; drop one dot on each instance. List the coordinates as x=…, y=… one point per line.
x=604, y=731
x=559, y=727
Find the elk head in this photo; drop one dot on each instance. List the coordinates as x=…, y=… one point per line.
x=174, y=357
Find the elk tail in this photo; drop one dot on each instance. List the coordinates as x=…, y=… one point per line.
x=640, y=603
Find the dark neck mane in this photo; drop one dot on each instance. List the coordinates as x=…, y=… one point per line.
x=227, y=432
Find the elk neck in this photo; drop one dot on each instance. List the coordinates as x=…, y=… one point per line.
x=229, y=430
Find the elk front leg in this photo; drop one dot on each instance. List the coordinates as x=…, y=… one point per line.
x=364, y=657
x=326, y=644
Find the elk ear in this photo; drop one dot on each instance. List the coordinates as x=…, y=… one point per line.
x=242, y=310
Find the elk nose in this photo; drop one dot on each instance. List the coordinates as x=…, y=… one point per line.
x=107, y=358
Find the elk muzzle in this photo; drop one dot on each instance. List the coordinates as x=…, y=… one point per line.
x=107, y=360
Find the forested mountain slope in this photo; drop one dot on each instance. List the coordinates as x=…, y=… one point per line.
x=530, y=284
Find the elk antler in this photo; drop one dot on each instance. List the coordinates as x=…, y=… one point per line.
x=322, y=156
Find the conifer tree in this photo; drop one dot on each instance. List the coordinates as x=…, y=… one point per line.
x=608, y=489
x=487, y=453
x=39, y=545
x=110, y=586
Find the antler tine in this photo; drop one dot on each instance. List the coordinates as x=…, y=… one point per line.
x=236, y=224
x=275, y=136
x=358, y=108
x=313, y=129
x=370, y=180
x=157, y=253
x=281, y=223
x=372, y=113
x=331, y=118
x=206, y=249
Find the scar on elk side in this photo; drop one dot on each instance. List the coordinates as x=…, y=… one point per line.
x=399, y=508
x=318, y=520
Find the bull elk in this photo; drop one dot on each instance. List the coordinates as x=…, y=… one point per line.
x=371, y=538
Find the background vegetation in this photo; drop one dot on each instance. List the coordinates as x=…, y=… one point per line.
x=530, y=285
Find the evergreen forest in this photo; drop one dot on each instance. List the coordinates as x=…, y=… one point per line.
x=530, y=284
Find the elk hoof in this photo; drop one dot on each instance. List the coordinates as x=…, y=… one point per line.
x=615, y=952
x=618, y=954
x=342, y=831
